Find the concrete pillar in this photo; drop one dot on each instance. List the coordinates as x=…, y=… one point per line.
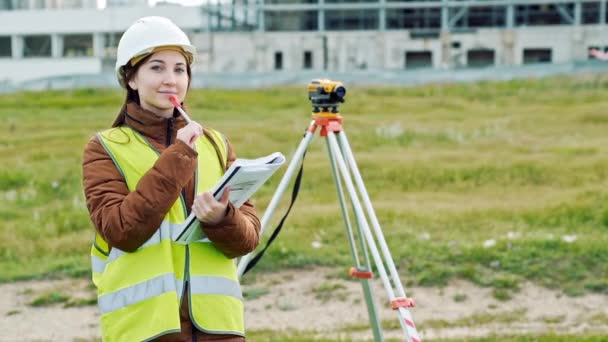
x=261, y=14
x=508, y=38
x=381, y=53
x=508, y=48
x=262, y=57
x=602, y=12
x=56, y=46
x=445, y=37
x=98, y=43
x=382, y=16
x=579, y=51
x=321, y=16
x=510, y=20
x=445, y=16
x=578, y=13
x=446, y=49
x=17, y=46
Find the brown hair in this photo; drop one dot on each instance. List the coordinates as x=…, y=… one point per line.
x=127, y=72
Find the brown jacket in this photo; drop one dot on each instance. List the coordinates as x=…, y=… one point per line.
x=128, y=219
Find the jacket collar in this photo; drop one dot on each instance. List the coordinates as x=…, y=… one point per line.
x=153, y=127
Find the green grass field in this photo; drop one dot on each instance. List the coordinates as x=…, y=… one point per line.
x=496, y=183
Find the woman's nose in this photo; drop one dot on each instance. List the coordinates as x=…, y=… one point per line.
x=169, y=78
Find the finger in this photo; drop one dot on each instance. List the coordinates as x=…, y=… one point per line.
x=196, y=208
x=225, y=196
x=207, y=197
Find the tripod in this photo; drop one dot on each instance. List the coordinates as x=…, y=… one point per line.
x=344, y=168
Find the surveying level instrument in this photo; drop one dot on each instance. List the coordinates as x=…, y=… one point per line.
x=325, y=94
x=325, y=97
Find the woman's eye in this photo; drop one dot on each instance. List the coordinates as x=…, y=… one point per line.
x=180, y=70
x=156, y=67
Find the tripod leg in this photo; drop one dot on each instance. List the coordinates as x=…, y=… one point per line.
x=372, y=311
x=405, y=319
x=350, y=159
x=297, y=157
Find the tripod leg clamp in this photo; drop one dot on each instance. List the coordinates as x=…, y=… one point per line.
x=402, y=303
x=355, y=273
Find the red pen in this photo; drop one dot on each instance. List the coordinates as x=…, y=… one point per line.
x=177, y=105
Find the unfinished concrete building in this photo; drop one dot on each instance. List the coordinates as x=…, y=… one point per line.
x=54, y=37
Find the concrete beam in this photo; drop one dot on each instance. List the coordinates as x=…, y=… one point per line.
x=414, y=4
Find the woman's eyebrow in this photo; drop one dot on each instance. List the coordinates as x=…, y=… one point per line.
x=161, y=61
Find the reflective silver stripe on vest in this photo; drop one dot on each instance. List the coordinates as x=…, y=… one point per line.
x=136, y=293
x=163, y=232
x=215, y=285
x=98, y=265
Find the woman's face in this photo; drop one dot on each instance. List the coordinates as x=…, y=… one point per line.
x=163, y=74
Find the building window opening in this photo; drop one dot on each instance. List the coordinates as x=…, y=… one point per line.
x=590, y=13
x=278, y=60
x=340, y=20
x=37, y=46
x=291, y=21
x=479, y=58
x=77, y=45
x=5, y=47
x=418, y=59
x=544, y=14
x=307, y=60
x=417, y=19
x=483, y=16
x=532, y=56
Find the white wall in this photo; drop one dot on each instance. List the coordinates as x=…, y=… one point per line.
x=18, y=70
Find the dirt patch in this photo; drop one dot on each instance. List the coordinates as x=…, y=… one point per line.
x=320, y=301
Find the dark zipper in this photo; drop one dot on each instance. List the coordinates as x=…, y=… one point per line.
x=169, y=131
x=186, y=285
x=188, y=209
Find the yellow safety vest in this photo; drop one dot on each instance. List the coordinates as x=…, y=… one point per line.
x=139, y=293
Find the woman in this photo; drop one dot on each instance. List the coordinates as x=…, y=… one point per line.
x=141, y=180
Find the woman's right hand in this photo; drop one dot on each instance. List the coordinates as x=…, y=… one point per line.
x=190, y=133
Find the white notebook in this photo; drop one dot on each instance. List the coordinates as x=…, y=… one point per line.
x=244, y=177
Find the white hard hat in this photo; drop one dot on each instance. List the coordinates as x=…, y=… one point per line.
x=148, y=33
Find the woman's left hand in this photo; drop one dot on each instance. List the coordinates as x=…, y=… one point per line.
x=209, y=210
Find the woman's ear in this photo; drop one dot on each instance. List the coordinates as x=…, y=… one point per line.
x=133, y=84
